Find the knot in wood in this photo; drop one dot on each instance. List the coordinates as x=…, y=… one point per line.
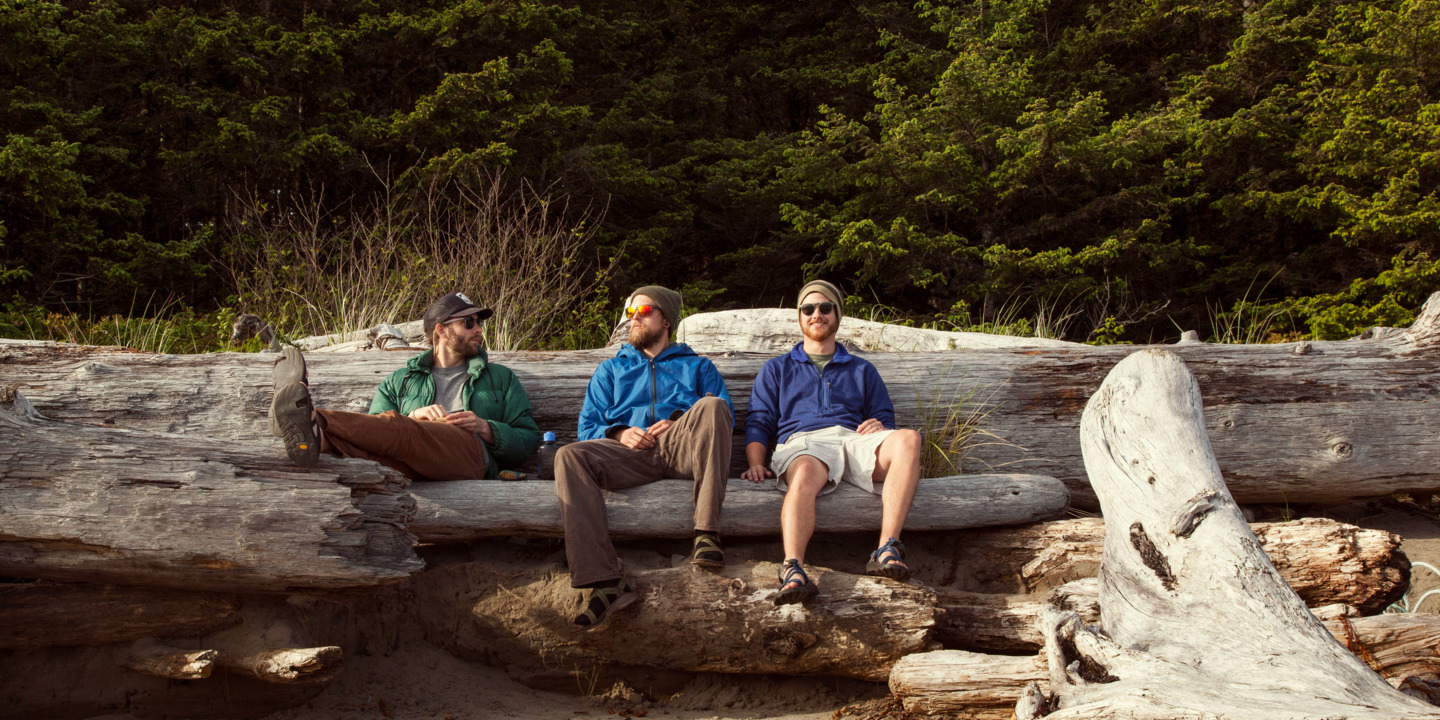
x=1343, y=449
x=786, y=643
x=1151, y=556
x=1228, y=424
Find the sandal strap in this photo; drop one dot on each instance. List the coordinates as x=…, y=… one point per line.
x=707, y=542
x=789, y=570
x=606, y=596
x=892, y=549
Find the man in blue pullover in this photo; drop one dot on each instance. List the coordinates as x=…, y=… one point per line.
x=833, y=420
x=655, y=410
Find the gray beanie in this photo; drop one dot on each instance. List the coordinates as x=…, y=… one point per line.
x=667, y=299
x=826, y=289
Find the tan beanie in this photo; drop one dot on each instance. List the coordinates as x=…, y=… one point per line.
x=826, y=289
x=668, y=300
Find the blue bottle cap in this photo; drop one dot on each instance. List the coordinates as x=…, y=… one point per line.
x=548, y=436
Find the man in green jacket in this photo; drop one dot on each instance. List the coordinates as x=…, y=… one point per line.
x=449, y=414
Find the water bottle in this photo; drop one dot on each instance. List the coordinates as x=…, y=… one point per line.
x=548, y=448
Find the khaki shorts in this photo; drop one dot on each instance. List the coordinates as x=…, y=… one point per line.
x=849, y=456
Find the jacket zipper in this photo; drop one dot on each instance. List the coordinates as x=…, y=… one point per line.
x=654, y=395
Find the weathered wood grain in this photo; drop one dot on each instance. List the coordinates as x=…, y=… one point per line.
x=120, y=506
x=1191, y=607
x=456, y=511
x=960, y=684
x=1297, y=422
x=693, y=620
x=773, y=331
x=45, y=614
x=1324, y=561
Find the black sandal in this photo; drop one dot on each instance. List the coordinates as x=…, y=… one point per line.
x=804, y=590
x=707, y=551
x=603, y=601
x=889, y=561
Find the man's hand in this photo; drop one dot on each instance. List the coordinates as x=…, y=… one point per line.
x=870, y=426
x=429, y=412
x=466, y=420
x=757, y=473
x=659, y=428
x=637, y=439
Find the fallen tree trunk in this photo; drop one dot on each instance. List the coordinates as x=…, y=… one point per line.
x=691, y=620
x=457, y=511
x=1297, y=422
x=286, y=665
x=1191, y=606
x=44, y=614
x=960, y=684
x=1324, y=561
x=978, y=685
x=773, y=331
x=118, y=506
x=150, y=658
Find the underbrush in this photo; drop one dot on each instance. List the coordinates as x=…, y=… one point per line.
x=166, y=329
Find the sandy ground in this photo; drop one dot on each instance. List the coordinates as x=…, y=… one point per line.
x=419, y=681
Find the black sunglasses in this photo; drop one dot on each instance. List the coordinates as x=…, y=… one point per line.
x=470, y=322
x=808, y=309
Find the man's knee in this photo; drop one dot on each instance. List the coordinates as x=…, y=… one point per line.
x=905, y=443
x=807, y=474
x=712, y=406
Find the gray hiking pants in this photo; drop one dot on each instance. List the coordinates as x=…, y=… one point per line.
x=696, y=447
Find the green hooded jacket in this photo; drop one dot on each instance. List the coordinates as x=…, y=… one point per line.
x=492, y=392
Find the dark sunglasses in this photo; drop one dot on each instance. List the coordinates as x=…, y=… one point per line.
x=641, y=310
x=808, y=309
x=470, y=322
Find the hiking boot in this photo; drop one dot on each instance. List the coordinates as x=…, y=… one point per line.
x=292, y=414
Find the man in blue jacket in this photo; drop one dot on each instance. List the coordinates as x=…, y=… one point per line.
x=833, y=421
x=655, y=410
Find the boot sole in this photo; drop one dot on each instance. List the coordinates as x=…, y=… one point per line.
x=293, y=415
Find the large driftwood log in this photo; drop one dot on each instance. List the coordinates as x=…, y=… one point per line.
x=773, y=331
x=1197, y=622
x=137, y=508
x=44, y=614
x=455, y=511
x=1324, y=561
x=1297, y=422
x=960, y=684
x=692, y=620
x=964, y=684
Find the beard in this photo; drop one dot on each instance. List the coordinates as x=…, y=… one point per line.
x=642, y=337
x=819, y=334
x=463, y=346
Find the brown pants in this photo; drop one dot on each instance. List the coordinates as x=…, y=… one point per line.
x=420, y=449
x=696, y=447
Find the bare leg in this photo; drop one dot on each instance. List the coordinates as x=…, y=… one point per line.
x=806, y=477
x=897, y=466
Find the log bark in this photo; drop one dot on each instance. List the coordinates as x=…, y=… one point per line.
x=1299, y=422
x=692, y=620
x=1398, y=646
x=1191, y=606
x=138, y=508
x=1323, y=560
x=44, y=614
x=458, y=511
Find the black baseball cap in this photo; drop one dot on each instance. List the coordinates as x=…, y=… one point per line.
x=452, y=306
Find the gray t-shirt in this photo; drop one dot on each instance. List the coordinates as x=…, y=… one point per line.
x=820, y=360
x=449, y=384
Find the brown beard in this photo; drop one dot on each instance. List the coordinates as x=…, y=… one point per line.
x=642, y=337
x=460, y=346
x=816, y=335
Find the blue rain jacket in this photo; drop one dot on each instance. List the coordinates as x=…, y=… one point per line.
x=631, y=390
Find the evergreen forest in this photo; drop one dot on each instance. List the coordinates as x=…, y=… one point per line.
x=1100, y=171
